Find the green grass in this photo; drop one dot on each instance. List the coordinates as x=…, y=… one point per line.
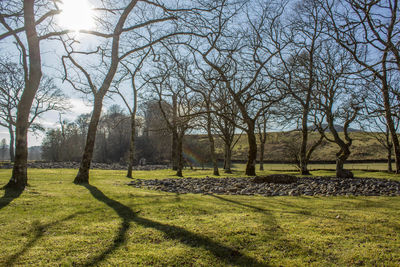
x=54, y=222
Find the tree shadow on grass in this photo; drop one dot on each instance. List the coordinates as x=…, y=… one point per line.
x=38, y=231
x=278, y=237
x=240, y=203
x=9, y=195
x=225, y=253
x=300, y=211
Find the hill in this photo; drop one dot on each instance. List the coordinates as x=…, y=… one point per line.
x=279, y=146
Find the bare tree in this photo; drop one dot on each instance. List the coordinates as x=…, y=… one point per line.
x=48, y=98
x=138, y=36
x=180, y=111
x=17, y=18
x=11, y=85
x=239, y=54
x=132, y=108
x=379, y=130
x=369, y=31
x=374, y=122
x=297, y=72
x=340, y=100
x=262, y=136
x=225, y=123
x=202, y=83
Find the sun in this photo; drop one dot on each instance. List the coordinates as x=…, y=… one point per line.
x=76, y=15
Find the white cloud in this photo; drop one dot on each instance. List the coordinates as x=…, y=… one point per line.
x=79, y=106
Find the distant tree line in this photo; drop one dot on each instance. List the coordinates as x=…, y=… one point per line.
x=153, y=141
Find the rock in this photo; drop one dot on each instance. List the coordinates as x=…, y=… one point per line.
x=276, y=178
x=325, y=186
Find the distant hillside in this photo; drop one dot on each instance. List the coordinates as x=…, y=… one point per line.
x=278, y=147
x=338, y=128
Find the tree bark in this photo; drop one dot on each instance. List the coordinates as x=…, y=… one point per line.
x=180, y=156
x=252, y=157
x=262, y=134
x=12, y=143
x=304, y=140
x=390, y=124
x=228, y=158
x=262, y=157
x=133, y=131
x=344, y=152
x=19, y=178
x=389, y=146
x=389, y=157
x=132, y=144
x=339, y=165
x=175, y=149
x=83, y=173
x=212, y=143
x=341, y=157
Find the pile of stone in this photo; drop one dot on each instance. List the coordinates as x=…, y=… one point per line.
x=75, y=165
x=315, y=186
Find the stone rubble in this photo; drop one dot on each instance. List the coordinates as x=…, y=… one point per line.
x=315, y=186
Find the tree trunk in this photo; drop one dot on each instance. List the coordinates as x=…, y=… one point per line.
x=252, y=157
x=132, y=145
x=133, y=130
x=212, y=144
x=388, y=114
x=180, y=156
x=224, y=167
x=262, y=134
x=303, y=147
x=19, y=178
x=83, y=173
x=228, y=158
x=12, y=143
x=341, y=157
x=344, y=152
x=175, y=150
x=392, y=129
x=389, y=157
x=262, y=157
x=304, y=127
x=339, y=165
x=214, y=157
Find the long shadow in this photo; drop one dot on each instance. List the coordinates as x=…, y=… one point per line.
x=301, y=211
x=225, y=253
x=9, y=196
x=240, y=203
x=39, y=230
x=277, y=234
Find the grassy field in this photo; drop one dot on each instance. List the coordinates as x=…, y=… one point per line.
x=54, y=222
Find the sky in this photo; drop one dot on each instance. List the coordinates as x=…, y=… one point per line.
x=51, y=66
x=50, y=120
